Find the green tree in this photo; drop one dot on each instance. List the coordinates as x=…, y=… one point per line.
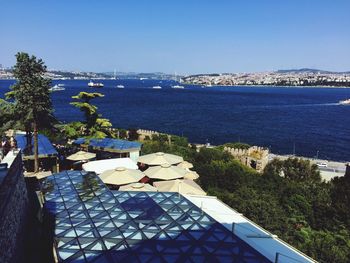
x=31, y=95
x=238, y=145
x=301, y=170
x=161, y=138
x=8, y=116
x=341, y=199
x=73, y=130
x=95, y=126
x=133, y=134
x=294, y=169
x=180, y=141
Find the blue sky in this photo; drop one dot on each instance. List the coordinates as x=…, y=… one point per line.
x=186, y=36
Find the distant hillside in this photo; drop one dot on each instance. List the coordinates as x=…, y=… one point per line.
x=310, y=70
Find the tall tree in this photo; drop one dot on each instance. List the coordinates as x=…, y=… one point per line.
x=31, y=95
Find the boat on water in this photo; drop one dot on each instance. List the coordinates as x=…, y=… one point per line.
x=345, y=102
x=177, y=87
x=156, y=87
x=60, y=85
x=120, y=87
x=95, y=84
x=57, y=87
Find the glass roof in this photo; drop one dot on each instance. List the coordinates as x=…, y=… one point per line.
x=111, y=144
x=95, y=224
x=45, y=147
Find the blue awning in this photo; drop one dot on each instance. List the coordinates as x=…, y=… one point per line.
x=79, y=141
x=109, y=144
x=45, y=147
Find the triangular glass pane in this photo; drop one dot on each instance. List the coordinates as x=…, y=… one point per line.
x=196, y=227
x=111, y=242
x=149, y=234
x=174, y=227
x=118, y=223
x=115, y=234
x=123, y=216
x=84, y=242
x=97, y=246
x=136, y=236
x=66, y=253
x=163, y=236
x=59, y=230
x=196, y=234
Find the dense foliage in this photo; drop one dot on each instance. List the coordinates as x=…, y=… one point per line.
x=288, y=199
x=7, y=117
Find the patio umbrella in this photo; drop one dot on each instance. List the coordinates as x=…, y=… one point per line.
x=180, y=186
x=138, y=187
x=160, y=158
x=185, y=165
x=81, y=156
x=191, y=175
x=165, y=172
x=101, y=166
x=121, y=176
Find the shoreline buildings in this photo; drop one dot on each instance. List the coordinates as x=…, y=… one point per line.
x=274, y=78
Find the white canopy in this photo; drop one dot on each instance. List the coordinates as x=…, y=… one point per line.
x=185, y=165
x=39, y=175
x=103, y=165
x=160, y=158
x=165, y=172
x=180, y=186
x=192, y=175
x=81, y=156
x=121, y=176
x=138, y=187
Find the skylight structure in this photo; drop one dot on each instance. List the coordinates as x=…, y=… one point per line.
x=95, y=224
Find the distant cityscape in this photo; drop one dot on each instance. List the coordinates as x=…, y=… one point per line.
x=294, y=77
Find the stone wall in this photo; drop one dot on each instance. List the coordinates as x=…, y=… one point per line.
x=144, y=133
x=255, y=157
x=13, y=212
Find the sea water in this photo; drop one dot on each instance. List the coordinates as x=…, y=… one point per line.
x=284, y=119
